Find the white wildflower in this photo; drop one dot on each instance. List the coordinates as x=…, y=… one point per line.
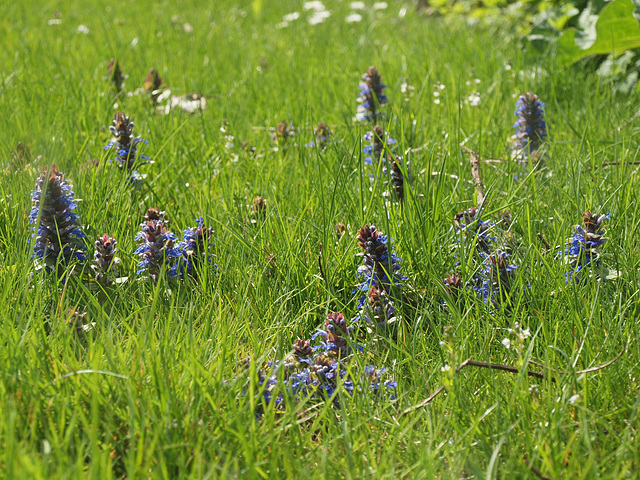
x=83, y=29
x=314, y=5
x=506, y=342
x=353, y=18
x=357, y=5
x=380, y=5
x=290, y=17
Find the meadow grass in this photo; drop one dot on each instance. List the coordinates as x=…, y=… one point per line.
x=149, y=392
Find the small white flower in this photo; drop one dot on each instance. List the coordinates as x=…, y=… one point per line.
x=436, y=94
x=526, y=333
x=437, y=101
x=54, y=21
x=357, y=6
x=507, y=67
x=353, y=18
x=315, y=5
x=319, y=16
x=474, y=99
x=83, y=29
x=574, y=399
x=380, y=5
x=477, y=81
x=280, y=25
x=506, y=342
x=290, y=17
x=445, y=368
x=402, y=12
x=134, y=42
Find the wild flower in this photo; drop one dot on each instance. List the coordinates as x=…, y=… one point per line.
x=303, y=351
x=380, y=265
x=322, y=136
x=125, y=144
x=58, y=239
x=116, y=77
x=282, y=135
x=582, y=249
x=407, y=90
x=531, y=128
x=157, y=252
x=376, y=141
x=496, y=277
x=397, y=177
x=104, y=260
x=153, y=84
x=258, y=209
x=78, y=320
x=194, y=248
x=335, y=336
x=474, y=230
x=316, y=373
x=378, y=310
x=371, y=97
x=453, y=286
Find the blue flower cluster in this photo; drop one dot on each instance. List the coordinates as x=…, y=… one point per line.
x=531, y=128
x=371, y=96
x=374, y=150
x=379, y=279
x=157, y=252
x=495, y=274
x=494, y=281
x=194, y=248
x=475, y=231
x=58, y=239
x=380, y=265
x=160, y=253
x=322, y=137
x=582, y=249
x=126, y=145
x=104, y=260
x=321, y=371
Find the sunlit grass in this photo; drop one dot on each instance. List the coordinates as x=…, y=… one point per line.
x=145, y=394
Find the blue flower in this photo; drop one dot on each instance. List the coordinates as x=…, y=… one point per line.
x=157, y=252
x=531, y=128
x=581, y=250
x=194, y=248
x=371, y=96
x=475, y=230
x=126, y=145
x=58, y=238
x=104, y=260
x=322, y=136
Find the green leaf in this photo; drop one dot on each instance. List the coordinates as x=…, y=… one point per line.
x=617, y=30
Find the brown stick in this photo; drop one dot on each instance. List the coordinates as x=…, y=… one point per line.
x=320, y=261
x=469, y=362
x=535, y=470
x=586, y=370
x=544, y=241
x=608, y=164
x=475, y=173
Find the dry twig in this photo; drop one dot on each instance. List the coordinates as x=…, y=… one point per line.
x=475, y=173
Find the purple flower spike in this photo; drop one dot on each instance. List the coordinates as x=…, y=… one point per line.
x=58, y=237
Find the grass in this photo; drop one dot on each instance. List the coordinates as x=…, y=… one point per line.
x=145, y=394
